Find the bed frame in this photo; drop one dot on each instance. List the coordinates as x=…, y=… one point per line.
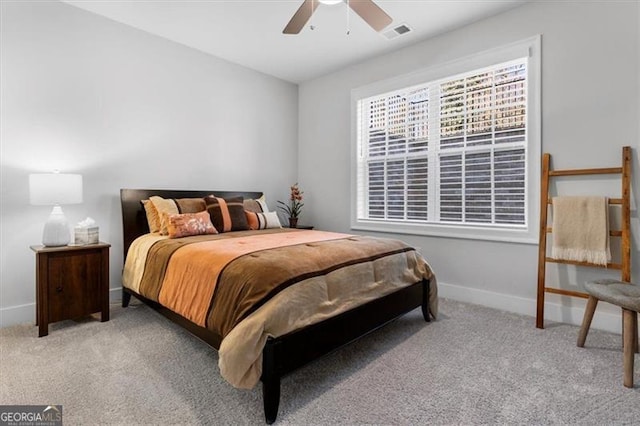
x=283, y=354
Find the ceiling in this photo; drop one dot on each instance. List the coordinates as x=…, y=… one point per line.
x=249, y=32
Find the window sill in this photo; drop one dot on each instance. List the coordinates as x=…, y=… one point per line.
x=506, y=234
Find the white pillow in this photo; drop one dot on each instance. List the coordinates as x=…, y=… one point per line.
x=272, y=220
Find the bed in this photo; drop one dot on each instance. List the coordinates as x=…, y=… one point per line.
x=283, y=348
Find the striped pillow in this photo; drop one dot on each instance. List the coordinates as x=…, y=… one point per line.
x=226, y=214
x=262, y=220
x=257, y=205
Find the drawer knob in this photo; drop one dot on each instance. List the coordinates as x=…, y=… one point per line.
x=59, y=289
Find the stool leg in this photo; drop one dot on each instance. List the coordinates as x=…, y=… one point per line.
x=586, y=321
x=635, y=332
x=630, y=322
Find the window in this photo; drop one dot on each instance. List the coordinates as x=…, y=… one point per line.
x=451, y=155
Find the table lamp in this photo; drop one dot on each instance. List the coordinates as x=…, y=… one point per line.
x=55, y=189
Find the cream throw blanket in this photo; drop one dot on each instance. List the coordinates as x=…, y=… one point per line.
x=581, y=229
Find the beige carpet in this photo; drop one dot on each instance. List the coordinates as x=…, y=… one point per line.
x=473, y=366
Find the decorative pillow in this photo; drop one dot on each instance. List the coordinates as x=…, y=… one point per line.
x=258, y=205
x=153, y=219
x=226, y=214
x=186, y=224
x=262, y=220
x=165, y=208
x=191, y=205
x=251, y=205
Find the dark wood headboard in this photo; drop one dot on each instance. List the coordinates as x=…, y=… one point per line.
x=134, y=218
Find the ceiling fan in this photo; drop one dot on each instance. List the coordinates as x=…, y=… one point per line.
x=367, y=9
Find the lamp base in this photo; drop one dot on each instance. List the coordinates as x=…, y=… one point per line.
x=56, y=229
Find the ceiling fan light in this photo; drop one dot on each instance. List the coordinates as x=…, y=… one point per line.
x=330, y=2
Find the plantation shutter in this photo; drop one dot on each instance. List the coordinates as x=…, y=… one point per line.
x=482, y=146
x=396, y=155
x=449, y=151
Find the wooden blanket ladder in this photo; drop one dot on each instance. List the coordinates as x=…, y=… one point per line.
x=623, y=234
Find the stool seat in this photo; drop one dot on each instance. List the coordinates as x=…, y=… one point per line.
x=619, y=293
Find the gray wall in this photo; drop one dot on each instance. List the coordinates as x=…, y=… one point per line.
x=590, y=86
x=126, y=109
x=84, y=94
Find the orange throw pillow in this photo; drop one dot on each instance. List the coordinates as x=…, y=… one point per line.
x=187, y=224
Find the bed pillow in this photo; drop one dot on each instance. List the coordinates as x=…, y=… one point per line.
x=257, y=205
x=227, y=214
x=187, y=224
x=153, y=219
x=262, y=220
x=165, y=208
x=252, y=205
x=191, y=205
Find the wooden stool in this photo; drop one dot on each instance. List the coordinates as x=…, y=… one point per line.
x=622, y=294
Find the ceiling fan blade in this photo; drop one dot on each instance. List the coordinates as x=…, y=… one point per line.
x=371, y=13
x=301, y=17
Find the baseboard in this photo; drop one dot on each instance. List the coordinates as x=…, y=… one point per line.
x=602, y=320
x=553, y=311
x=21, y=314
x=115, y=294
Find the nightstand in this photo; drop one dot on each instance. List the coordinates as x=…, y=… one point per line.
x=71, y=282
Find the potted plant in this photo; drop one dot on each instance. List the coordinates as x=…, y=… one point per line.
x=294, y=207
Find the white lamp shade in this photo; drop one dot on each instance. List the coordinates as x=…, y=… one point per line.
x=50, y=189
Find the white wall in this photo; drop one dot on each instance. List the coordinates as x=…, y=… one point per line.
x=84, y=94
x=590, y=110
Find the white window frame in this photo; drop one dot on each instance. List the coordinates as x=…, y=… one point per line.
x=528, y=234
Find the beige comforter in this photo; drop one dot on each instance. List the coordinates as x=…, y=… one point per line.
x=288, y=278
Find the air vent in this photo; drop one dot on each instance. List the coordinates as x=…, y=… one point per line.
x=397, y=31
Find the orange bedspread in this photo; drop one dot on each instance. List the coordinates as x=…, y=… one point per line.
x=193, y=271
